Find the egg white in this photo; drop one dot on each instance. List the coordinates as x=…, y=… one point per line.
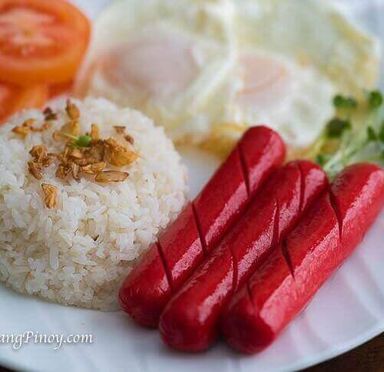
x=208, y=69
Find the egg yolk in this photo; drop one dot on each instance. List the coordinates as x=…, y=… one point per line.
x=266, y=81
x=162, y=66
x=159, y=66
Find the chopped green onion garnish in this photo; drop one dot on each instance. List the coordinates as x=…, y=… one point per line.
x=83, y=141
x=359, y=134
x=381, y=133
x=336, y=127
x=344, y=102
x=372, y=136
x=321, y=159
x=375, y=99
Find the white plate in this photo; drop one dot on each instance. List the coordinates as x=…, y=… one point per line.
x=346, y=312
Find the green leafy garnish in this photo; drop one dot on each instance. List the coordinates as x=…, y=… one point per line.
x=381, y=133
x=78, y=141
x=354, y=135
x=371, y=134
x=341, y=102
x=322, y=159
x=375, y=99
x=83, y=141
x=336, y=127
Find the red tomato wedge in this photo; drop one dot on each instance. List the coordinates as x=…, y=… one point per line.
x=14, y=98
x=41, y=41
x=60, y=89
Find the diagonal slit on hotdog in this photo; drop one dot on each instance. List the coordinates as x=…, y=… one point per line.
x=200, y=226
x=199, y=229
x=244, y=169
x=189, y=321
x=323, y=239
x=164, y=264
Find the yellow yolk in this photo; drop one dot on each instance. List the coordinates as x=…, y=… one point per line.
x=266, y=81
x=156, y=66
x=207, y=70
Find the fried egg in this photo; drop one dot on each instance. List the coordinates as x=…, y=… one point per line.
x=208, y=69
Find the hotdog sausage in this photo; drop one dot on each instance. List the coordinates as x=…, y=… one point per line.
x=187, y=241
x=189, y=321
x=292, y=274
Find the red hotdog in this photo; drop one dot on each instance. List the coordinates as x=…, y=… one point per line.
x=320, y=243
x=189, y=321
x=187, y=241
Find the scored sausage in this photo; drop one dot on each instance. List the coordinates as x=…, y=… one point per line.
x=292, y=274
x=188, y=240
x=189, y=321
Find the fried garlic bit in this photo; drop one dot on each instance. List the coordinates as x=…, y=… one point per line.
x=129, y=139
x=95, y=132
x=117, y=154
x=72, y=110
x=93, y=159
x=40, y=159
x=83, y=154
x=71, y=128
x=67, y=131
x=35, y=170
x=94, y=168
x=121, y=130
x=111, y=176
x=49, y=114
x=27, y=127
x=21, y=131
x=78, y=161
x=50, y=195
x=91, y=153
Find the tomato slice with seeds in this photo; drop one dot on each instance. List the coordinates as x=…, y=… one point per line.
x=41, y=41
x=14, y=98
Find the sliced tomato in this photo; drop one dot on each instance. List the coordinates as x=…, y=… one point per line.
x=41, y=41
x=14, y=98
x=60, y=89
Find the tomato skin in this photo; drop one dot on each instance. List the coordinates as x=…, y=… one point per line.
x=14, y=98
x=41, y=41
x=58, y=90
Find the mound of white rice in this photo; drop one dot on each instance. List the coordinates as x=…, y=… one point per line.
x=78, y=253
